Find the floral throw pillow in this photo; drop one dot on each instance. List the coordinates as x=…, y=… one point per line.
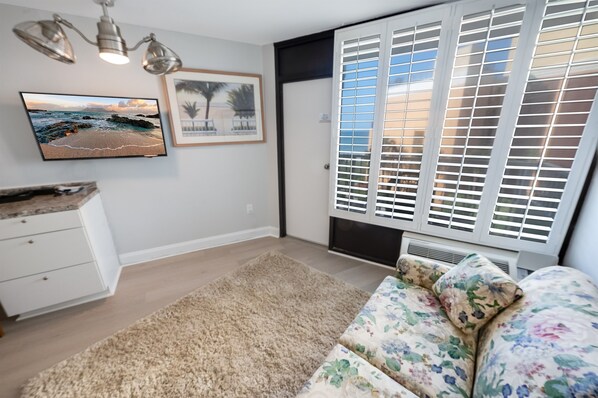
x=474, y=291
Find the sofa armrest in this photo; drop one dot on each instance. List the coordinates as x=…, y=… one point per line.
x=419, y=271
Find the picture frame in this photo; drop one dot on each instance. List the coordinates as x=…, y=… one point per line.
x=209, y=107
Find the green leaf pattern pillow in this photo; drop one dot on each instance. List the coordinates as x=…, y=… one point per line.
x=474, y=291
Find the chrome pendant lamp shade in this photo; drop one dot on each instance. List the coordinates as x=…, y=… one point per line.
x=113, y=47
x=48, y=38
x=159, y=59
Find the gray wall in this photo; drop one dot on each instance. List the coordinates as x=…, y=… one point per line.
x=583, y=249
x=194, y=192
x=269, y=82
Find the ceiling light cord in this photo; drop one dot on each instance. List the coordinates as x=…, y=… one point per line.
x=146, y=39
x=69, y=25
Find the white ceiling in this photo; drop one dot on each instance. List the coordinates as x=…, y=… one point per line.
x=250, y=21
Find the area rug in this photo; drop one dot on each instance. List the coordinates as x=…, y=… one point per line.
x=260, y=331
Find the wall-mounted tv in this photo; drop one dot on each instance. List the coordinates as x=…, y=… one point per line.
x=83, y=127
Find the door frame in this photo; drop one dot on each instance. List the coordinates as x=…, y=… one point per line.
x=296, y=60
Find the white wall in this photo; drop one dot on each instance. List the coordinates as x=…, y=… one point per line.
x=582, y=252
x=194, y=192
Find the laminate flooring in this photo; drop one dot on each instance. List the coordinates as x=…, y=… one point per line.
x=35, y=344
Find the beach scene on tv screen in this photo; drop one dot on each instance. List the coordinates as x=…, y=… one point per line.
x=71, y=127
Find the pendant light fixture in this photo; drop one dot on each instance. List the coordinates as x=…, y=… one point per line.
x=49, y=38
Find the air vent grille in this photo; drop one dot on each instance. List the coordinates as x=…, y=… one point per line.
x=434, y=254
x=446, y=256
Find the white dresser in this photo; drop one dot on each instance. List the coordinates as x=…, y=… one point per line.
x=57, y=259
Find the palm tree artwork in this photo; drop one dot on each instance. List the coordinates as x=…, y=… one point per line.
x=241, y=100
x=203, y=88
x=191, y=110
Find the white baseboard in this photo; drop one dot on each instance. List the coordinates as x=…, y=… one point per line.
x=175, y=249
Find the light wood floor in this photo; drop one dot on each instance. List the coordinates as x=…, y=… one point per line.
x=32, y=345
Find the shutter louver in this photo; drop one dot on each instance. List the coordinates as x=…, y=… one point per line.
x=481, y=70
x=408, y=102
x=560, y=90
x=357, y=93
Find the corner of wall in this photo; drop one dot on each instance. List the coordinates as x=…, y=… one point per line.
x=270, y=111
x=583, y=251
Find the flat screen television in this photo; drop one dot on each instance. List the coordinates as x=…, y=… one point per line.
x=84, y=127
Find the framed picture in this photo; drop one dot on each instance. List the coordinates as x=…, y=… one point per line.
x=213, y=108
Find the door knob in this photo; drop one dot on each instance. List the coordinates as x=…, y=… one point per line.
x=327, y=166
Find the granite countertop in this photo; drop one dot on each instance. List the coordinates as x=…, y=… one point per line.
x=45, y=202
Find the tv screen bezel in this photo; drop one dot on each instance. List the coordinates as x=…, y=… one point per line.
x=93, y=157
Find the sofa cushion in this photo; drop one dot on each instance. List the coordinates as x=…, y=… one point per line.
x=419, y=271
x=403, y=331
x=344, y=374
x=475, y=291
x=545, y=344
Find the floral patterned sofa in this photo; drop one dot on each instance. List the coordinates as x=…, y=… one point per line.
x=402, y=344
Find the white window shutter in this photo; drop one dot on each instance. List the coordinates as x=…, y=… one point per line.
x=482, y=66
x=412, y=66
x=559, y=94
x=473, y=120
x=358, y=77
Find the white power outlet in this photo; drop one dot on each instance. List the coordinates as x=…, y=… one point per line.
x=249, y=208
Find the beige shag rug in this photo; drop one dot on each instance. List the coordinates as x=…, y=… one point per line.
x=260, y=331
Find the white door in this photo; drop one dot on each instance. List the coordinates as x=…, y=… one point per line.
x=306, y=152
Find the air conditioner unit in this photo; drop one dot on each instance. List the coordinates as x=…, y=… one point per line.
x=450, y=252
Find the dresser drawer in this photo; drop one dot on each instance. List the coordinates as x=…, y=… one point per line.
x=29, y=255
x=23, y=226
x=37, y=291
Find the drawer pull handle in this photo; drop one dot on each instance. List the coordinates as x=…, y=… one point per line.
x=24, y=221
x=45, y=278
x=30, y=241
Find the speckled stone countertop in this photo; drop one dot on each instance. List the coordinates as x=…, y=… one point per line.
x=46, y=203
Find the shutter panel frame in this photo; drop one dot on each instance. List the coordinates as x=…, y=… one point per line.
x=440, y=15
x=361, y=31
x=470, y=20
x=575, y=180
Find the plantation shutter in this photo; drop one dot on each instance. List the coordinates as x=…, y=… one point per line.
x=481, y=71
x=413, y=56
x=560, y=90
x=473, y=120
x=357, y=92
